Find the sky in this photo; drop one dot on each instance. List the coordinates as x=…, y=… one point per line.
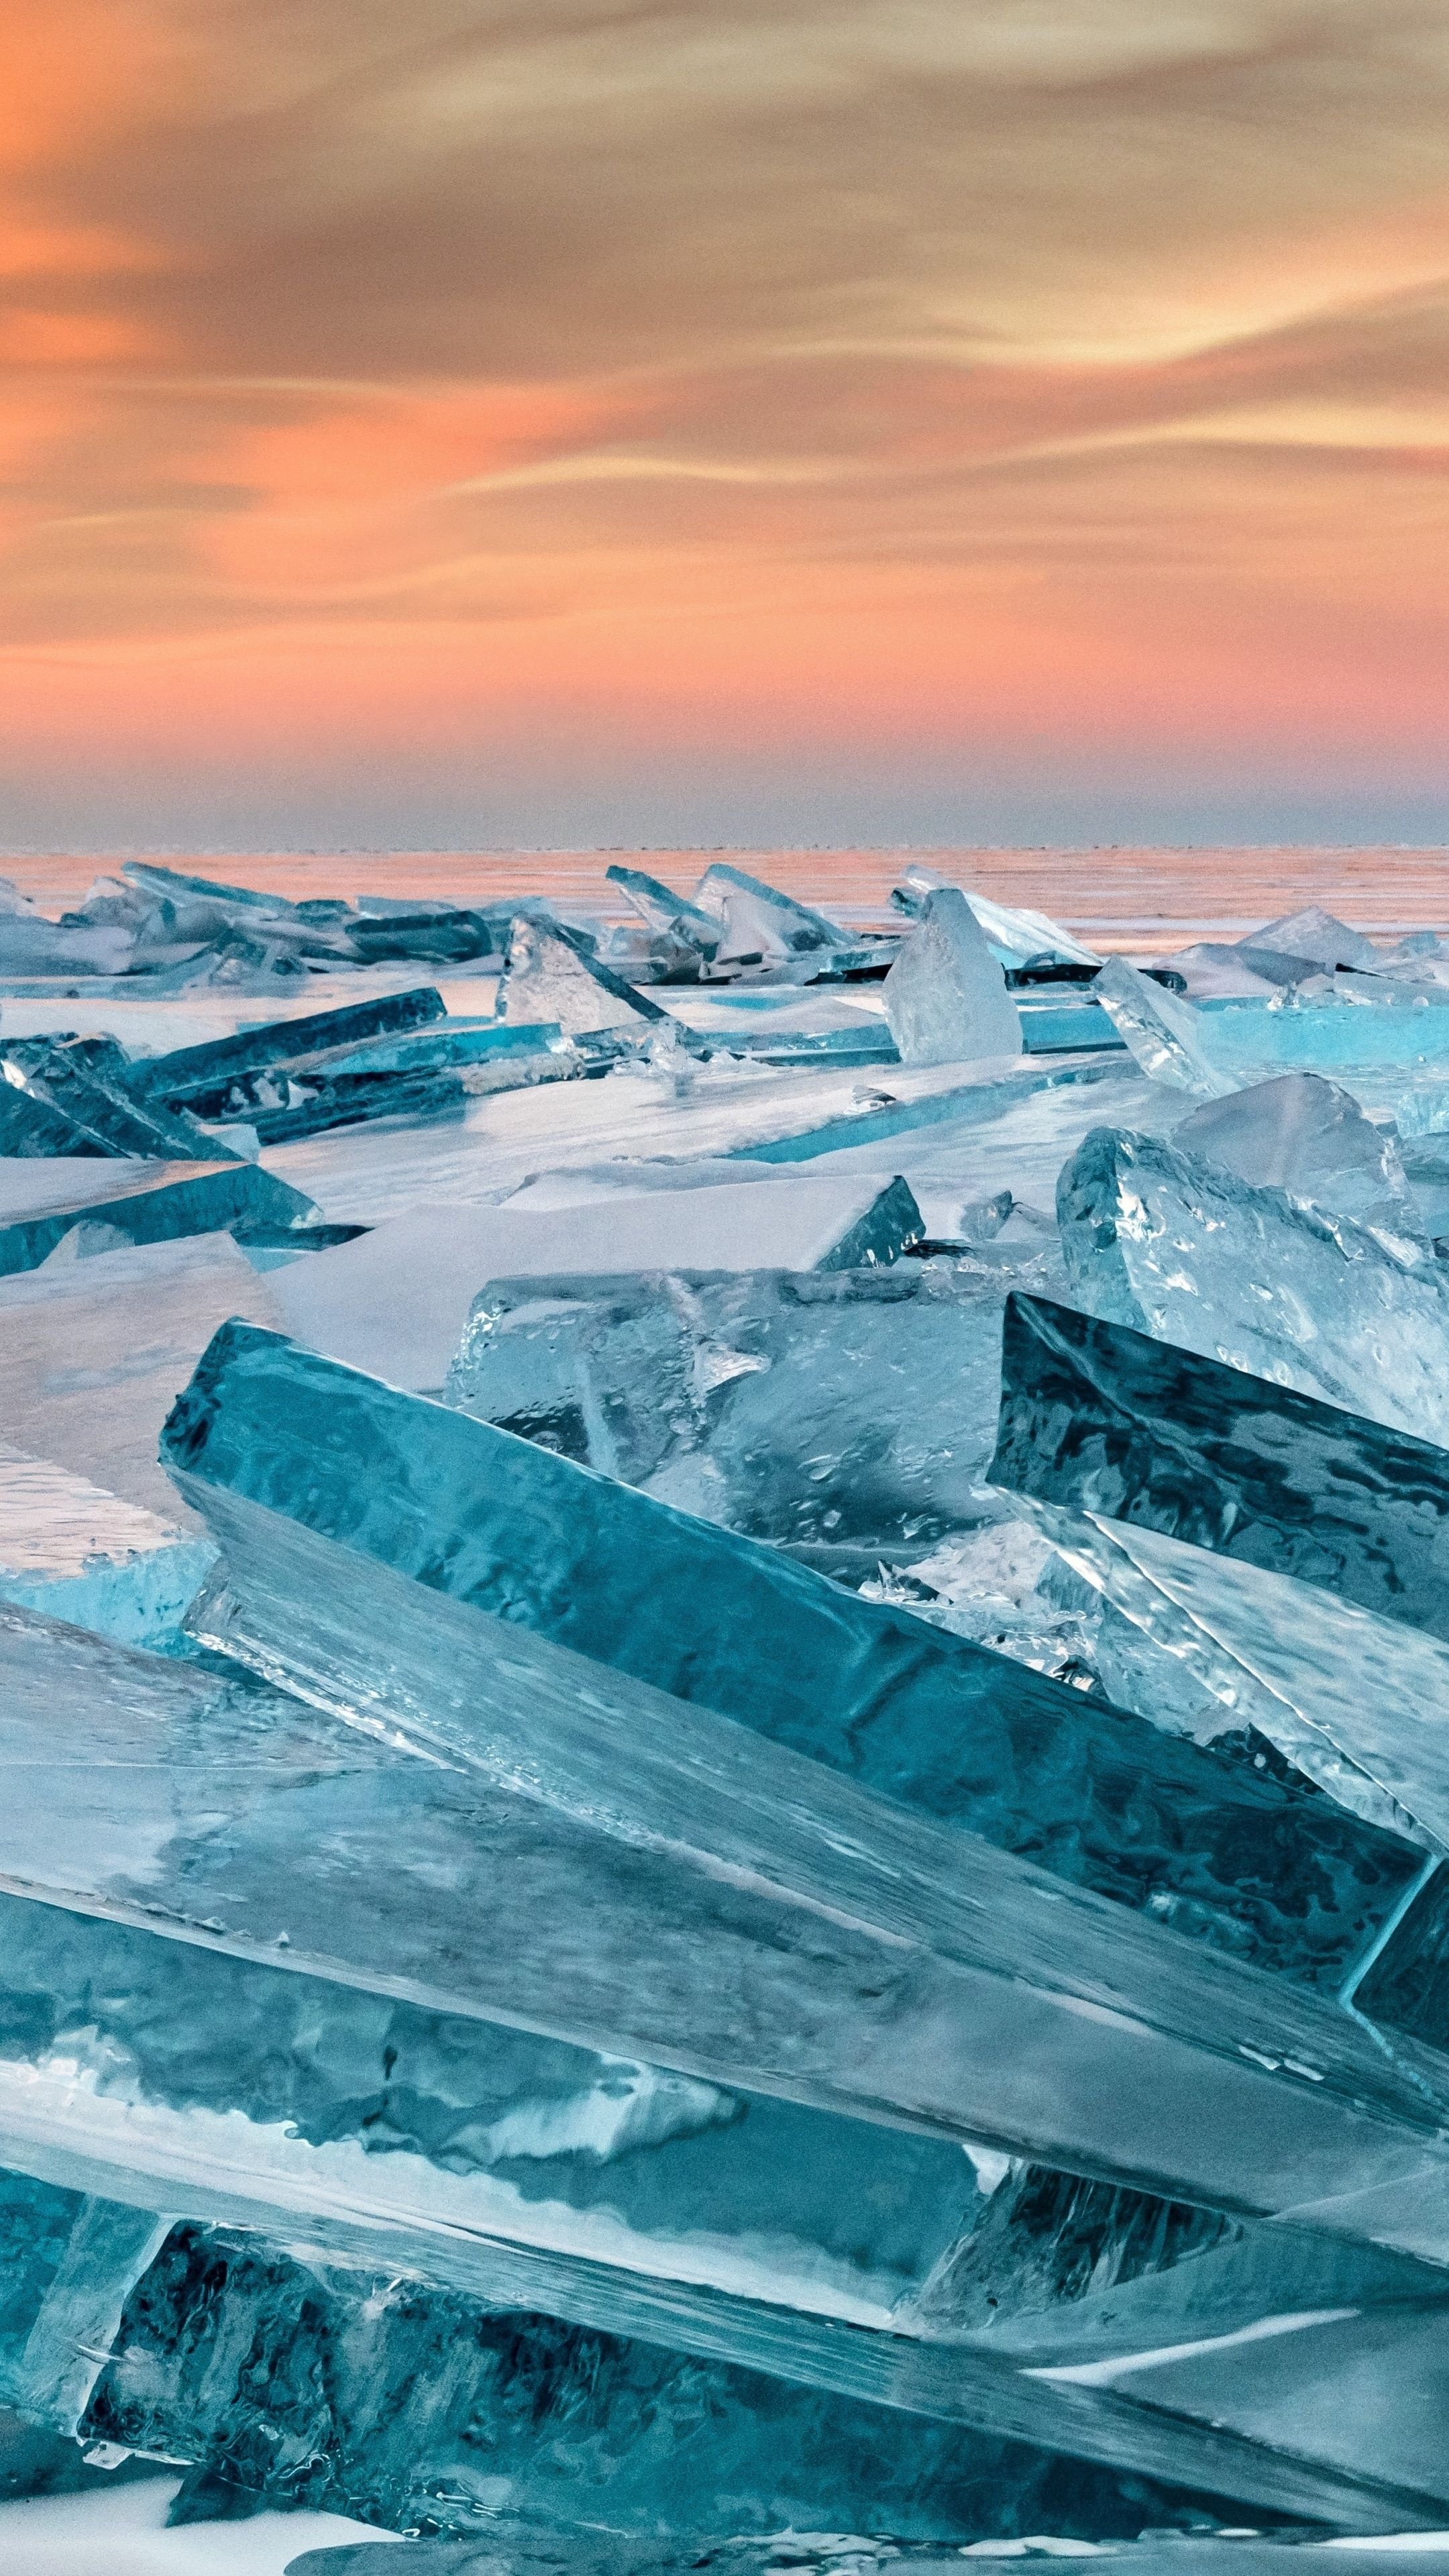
x=574, y=422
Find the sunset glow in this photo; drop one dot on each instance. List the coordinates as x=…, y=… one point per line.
x=468, y=419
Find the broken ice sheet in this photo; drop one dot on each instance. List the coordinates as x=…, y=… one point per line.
x=397, y=1302
x=297, y=2379
x=1172, y=1244
x=841, y=1411
x=762, y=928
x=1101, y=1418
x=1357, y=1701
x=1017, y=936
x=575, y=1558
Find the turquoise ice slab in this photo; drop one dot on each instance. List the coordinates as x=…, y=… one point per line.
x=161, y=1203
x=1173, y=1244
x=296, y=2381
x=1109, y=1420
x=72, y=1095
x=168, y=2058
x=513, y=2547
x=371, y=1478
x=199, y=1077
x=293, y=2373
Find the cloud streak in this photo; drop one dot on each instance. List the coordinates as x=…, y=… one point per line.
x=973, y=372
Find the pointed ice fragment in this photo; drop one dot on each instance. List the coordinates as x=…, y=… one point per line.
x=850, y=1415
x=1298, y=1132
x=1108, y=1420
x=758, y=925
x=550, y=977
x=1356, y=1701
x=1178, y=1247
x=669, y=914
x=1164, y=1033
x=397, y=1302
x=945, y=997
x=1314, y=933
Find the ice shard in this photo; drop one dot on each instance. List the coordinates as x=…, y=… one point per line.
x=1355, y=1700
x=397, y=1301
x=761, y=927
x=202, y=1078
x=153, y=1204
x=846, y=1413
x=421, y=1074
x=945, y=997
x=1104, y=1419
x=1300, y=1133
x=1162, y=1031
x=583, y=1565
x=161, y=2043
x=550, y=978
x=83, y=1555
x=682, y=926
x=72, y=1095
x=1174, y=1245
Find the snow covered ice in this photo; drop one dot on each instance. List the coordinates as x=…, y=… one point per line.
x=723, y=1678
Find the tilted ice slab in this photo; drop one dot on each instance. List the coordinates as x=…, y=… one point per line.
x=83, y=1555
x=397, y=1301
x=1165, y=1034
x=1360, y=1702
x=1163, y=2092
x=152, y=1203
x=1174, y=1245
x=546, y=1546
x=288, y=2374
x=1015, y=933
x=167, y=2045
x=1104, y=1419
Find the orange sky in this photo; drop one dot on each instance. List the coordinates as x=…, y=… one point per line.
x=842, y=418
